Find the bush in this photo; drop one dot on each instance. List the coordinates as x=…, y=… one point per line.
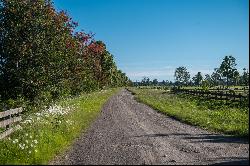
x=12, y=103
x=205, y=85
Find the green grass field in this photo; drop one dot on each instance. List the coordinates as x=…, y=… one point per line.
x=236, y=89
x=46, y=133
x=208, y=114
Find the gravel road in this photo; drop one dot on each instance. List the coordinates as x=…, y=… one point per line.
x=128, y=132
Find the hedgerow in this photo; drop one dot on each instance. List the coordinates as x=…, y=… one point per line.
x=42, y=57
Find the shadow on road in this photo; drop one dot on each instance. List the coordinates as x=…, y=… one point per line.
x=236, y=161
x=217, y=138
x=212, y=138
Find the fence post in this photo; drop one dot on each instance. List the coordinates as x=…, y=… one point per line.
x=240, y=98
x=8, y=126
x=8, y=119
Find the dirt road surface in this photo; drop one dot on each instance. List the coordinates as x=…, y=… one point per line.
x=128, y=132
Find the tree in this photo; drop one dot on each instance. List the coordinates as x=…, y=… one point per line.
x=235, y=77
x=198, y=79
x=33, y=47
x=39, y=54
x=244, y=79
x=155, y=82
x=216, y=77
x=227, y=68
x=145, y=81
x=182, y=75
x=208, y=79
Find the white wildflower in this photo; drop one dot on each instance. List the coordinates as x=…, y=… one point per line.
x=18, y=127
x=27, y=121
x=69, y=122
x=21, y=146
x=38, y=114
x=15, y=141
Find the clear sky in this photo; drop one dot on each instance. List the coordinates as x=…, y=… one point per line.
x=153, y=37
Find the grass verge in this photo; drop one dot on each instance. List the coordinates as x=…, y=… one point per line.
x=206, y=114
x=46, y=133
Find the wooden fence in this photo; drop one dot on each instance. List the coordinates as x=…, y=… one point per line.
x=7, y=119
x=219, y=95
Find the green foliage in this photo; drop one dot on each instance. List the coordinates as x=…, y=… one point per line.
x=205, y=85
x=216, y=77
x=155, y=82
x=226, y=74
x=227, y=68
x=182, y=75
x=145, y=81
x=1, y=129
x=11, y=103
x=41, y=58
x=244, y=79
x=198, y=79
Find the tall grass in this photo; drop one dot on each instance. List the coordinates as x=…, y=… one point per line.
x=46, y=133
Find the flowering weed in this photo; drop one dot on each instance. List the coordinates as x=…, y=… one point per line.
x=48, y=132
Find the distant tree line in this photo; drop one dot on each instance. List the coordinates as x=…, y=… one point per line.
x=42, y=56
x=225, y=75
x=147, y=82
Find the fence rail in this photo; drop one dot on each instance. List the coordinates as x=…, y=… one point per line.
x=7, y=119
x=219, y=95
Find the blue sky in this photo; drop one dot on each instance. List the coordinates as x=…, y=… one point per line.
x=153, y=37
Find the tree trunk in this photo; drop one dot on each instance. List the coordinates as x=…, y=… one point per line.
x=227, y=82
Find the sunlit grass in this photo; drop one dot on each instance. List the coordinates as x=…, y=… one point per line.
x=217, y=117
x=48, y=132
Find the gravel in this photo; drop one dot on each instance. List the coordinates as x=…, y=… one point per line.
x=132, y=133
